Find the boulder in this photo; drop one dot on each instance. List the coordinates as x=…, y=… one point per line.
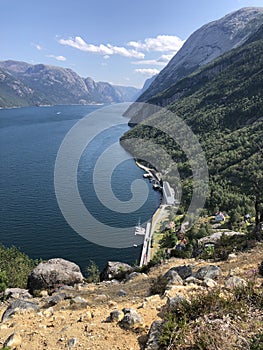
x=183, y=271
x=173, y=278
x=78, y=303
x=235, y=282
x=16, y=306
x=131, y=319
x=54, y=299
x=210, y=271
x=115, y=270
x=54, y=273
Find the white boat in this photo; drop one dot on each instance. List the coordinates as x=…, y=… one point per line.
x=139, y=230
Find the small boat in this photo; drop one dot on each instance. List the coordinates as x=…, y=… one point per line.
x=135, y=245
x=139, y=230
x=58, y=113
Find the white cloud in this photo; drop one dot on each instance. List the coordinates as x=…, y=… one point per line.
x=106, y=57
x=162, y=43
x=80, y=44
x=58, y=58
x=161, y=61
x=147, y=71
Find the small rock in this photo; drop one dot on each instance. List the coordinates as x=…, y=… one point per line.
x=131, y=276
x=78, y=303
x=231, y=257
x=208, y=282
x=121, y=293
x=17, y=293
x=72, y=342
x=153, y=336
x=210, y=271
x=16, y=306
x=54, y=299
x=101, y=297
x=193, y=280
x=13, y=341
x=43, y=293
x=235, y=282
x=48, y=312
x=131, y=319
x=112, y=303
x=115, y=316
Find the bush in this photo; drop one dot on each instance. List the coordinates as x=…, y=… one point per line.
x=15, y=267
x=195, y=323
x=93, y=273
x=158, y=285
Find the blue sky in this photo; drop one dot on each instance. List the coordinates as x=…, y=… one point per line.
x=119, y=41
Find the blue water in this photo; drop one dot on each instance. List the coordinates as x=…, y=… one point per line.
x=30, y=216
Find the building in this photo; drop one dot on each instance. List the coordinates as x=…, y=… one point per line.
x=168, y=194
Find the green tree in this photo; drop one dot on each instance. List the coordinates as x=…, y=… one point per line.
x=93, y=272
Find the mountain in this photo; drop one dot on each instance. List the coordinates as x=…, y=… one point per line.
x=204, y=45
x=24, y=84
x=222, y=103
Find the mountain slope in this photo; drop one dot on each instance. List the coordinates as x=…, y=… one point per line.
x=223, y=105
x=24, y=84
x=204, y=45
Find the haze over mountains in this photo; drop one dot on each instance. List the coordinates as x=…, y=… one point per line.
x=24, y=84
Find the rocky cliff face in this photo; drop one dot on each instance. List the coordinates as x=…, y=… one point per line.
x=23, y=84
x=204, y=45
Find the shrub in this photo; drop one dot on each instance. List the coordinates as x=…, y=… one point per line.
x=16, y=267
x=158, y=285
x=93, y=273
x=195, y=324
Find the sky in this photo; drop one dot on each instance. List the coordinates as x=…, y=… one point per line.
x=123, y=42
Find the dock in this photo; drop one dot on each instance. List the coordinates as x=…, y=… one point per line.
x=146, y=246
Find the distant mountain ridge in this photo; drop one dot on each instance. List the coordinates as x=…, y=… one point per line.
x=206, y=44
x=24, y=84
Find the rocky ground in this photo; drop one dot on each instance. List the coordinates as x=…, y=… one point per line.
x=79, y=317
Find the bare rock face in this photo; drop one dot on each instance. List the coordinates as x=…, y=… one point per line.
x=205, y=44
x=54, y=273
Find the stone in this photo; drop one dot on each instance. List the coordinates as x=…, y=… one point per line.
x=13, y=341
x=210, y=271
x=131, y=319
x=115, y=270
x=72, y=342
x=54, y=300
x=183, y=271
x=132, y=276
x=173, y=277
x=78, y=303
x=121, y=293
x=115, y=316
x=54, y=273
x=153, y=336
x=235, y=282
x=232, y=257
x=17, y=293
x=193, y=280
x=208, y=282
x=101, y=297
x=18, y=306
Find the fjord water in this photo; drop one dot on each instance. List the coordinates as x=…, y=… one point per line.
x=30, y=216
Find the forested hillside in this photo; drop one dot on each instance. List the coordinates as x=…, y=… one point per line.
x=223, y=104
